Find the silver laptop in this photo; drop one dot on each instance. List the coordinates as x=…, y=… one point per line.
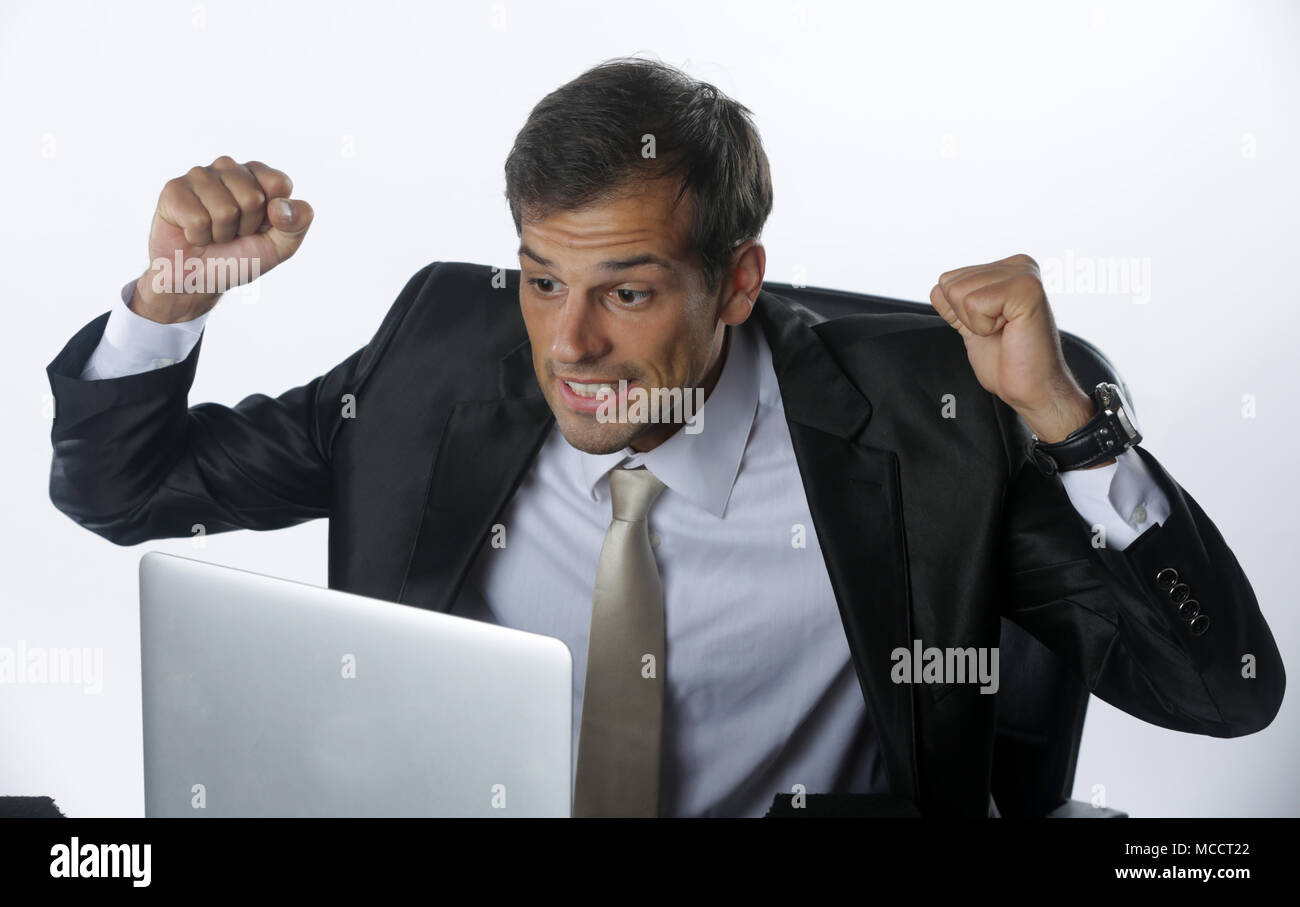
x=266, y=697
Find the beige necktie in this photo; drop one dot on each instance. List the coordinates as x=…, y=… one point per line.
x=622, y=702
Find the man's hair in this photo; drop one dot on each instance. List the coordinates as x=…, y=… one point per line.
x=582, y=144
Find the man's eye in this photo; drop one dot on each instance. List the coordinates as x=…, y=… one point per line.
x=538, y=282
x=629, y=297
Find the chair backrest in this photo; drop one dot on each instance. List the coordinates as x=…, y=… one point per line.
x=1040, y=704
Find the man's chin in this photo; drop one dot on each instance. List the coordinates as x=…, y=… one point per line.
x=593, y=438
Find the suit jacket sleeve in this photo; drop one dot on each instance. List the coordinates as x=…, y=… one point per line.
x=133, y=462
x=1102, y=610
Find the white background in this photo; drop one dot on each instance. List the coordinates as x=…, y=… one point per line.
x=905, y=140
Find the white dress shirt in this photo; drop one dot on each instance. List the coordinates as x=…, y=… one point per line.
x=760, y=689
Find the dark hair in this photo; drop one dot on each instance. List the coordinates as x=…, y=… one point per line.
x=582, y=144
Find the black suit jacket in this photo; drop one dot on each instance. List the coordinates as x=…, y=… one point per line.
x=931, y=528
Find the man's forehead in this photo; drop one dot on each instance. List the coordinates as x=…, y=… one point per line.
x=618, y=263
x=636, y=228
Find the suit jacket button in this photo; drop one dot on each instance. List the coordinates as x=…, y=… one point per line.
x=1180, y=593
x=1200, y=624
x=1166, y=578
x=1189, y=609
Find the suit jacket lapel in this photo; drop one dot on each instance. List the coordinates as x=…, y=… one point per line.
x=854, y=496
x=485, y=450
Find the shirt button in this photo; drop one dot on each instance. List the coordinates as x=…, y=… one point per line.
x=1139, y=514
x=654, y=539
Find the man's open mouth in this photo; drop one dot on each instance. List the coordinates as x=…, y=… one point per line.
x=591, y=389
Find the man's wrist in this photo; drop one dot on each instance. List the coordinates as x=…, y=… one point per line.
x=1057, y=422
x=1054, y=424
x=166, y=309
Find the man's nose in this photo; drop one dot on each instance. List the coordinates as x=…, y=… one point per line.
x=577, y=333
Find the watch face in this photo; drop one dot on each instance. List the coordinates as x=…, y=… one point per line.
x=1125, y=422
x=1110, y=398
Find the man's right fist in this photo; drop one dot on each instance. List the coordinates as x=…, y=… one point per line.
x=226, y=224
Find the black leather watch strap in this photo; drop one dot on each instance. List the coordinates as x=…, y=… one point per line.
x=1107, y=434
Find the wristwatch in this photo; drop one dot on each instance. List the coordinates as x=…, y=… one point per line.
x=1110, y=432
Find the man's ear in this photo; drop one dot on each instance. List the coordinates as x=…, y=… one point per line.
x=743, y=282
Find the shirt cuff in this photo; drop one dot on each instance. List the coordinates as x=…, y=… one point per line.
x=133, y=344
x=1123, y=498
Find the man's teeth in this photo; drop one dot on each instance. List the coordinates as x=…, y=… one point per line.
x=588, y=390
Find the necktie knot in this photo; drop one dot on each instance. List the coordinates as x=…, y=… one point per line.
x=632, y=492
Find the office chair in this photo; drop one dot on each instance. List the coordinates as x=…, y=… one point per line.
x=1040, y=703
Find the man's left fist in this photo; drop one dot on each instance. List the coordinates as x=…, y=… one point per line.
x=1001, y=311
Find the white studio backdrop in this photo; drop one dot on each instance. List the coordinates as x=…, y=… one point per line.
x=905, y=139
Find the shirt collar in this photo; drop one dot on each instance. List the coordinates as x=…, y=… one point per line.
x=701, y=467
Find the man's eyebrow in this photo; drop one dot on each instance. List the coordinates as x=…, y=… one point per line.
x=616, y=264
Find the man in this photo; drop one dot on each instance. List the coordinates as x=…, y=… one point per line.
x=736, y=582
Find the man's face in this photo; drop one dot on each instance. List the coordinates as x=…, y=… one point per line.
x=612, y=292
